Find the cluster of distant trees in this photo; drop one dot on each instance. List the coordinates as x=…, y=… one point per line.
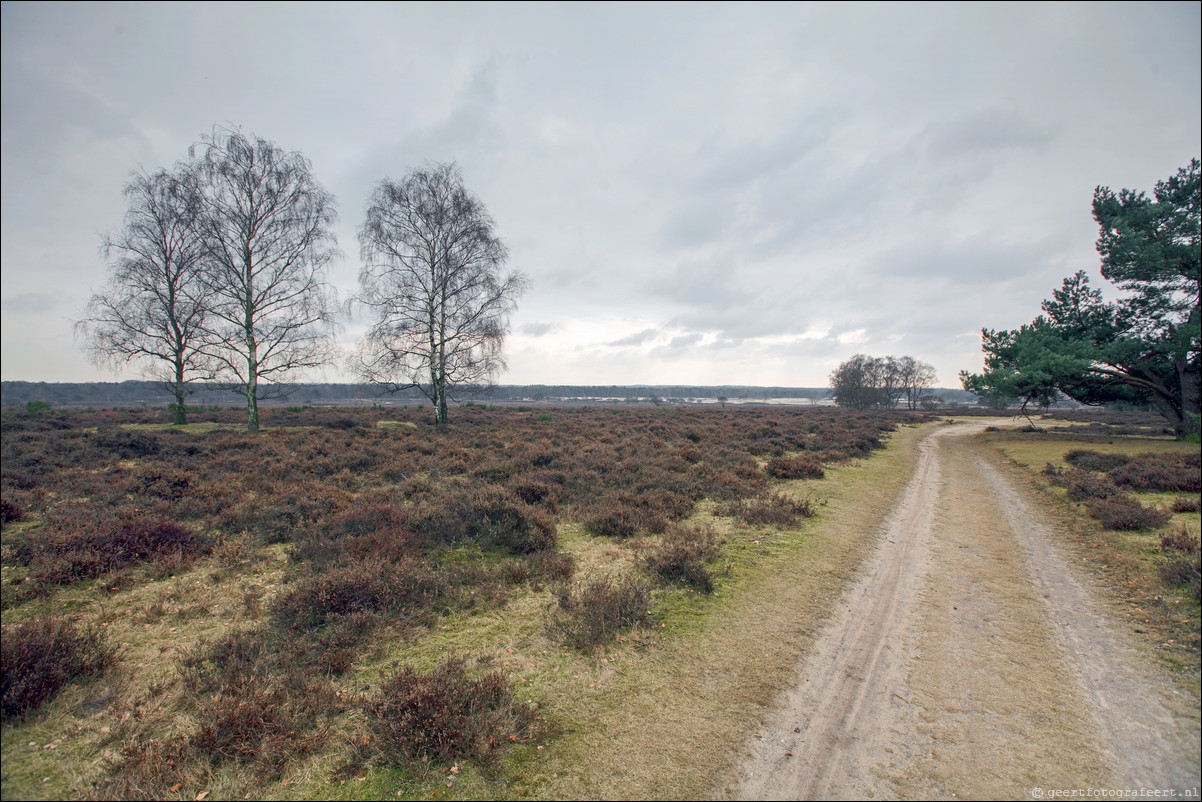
x=868, y=382
x=219, y=274
x=132, y=393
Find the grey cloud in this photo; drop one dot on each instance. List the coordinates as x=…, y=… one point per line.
x=750, y=162
x=970, y=263
x=684, y=341
x=539, y=329
x=640, y=338
x=713, y=282
x=678, y=347
x=736, y=190
x=989, y=130
x=471, y=129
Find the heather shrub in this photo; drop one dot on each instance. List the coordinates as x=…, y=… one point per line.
x=371, y=531
x=333, y=649
x=536, y=491
x=620, y=515
x=593, y=612
x=447, y=715
x=1183, y=560
x=254, y=705
x=485, y=514
x=771, y=509
x=10, y=512
x=125, y=443
x=159, y=481
x=149, y=767
x=283, y=511
x=406, y=589
x=1084, y=485
x=78, y=545
x=552, y=566
x=1087, y=460
x=1124, y=512
x=1186, y=504
x=623, y=513
x=1161, y=472
x=230, y=662
x=495, y=516
x=44, y=655
x=681, y=556
x=263, y=725
x=1181, y=542
x=800, y=467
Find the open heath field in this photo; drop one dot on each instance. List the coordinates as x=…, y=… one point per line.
x=531, y=603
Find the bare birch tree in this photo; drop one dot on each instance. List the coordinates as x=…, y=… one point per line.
x=265, y=223
x=917, y=379
x=867, y=382
x=153, y=310
x=432, y=280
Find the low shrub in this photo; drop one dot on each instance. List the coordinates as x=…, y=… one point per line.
x=593, y=612
x=254, y=705
x=1084, y=485
x=10, y=512
x=126, y=443
x=262, y=725
x=1087, y=460
x=772, y=509
x=1161, y=472
x=280, y=520
x=447, y=715
x=499, y=518
x=550, y=565
x=148, y=767
x=1186, y=504
x=1181, y=542
x=1124, y=512
x=80, y=545
x=624, y=513
x=1183, y=560
x=681, y=556
x=537, y=492
x=486, y=514
x=372, y=531
x=159, y=481
x=232, y=661
x=44, y=655
x=619, y=516
x=800, y=467
x=406, y=589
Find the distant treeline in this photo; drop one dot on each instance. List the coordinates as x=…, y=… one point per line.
x=136, y=393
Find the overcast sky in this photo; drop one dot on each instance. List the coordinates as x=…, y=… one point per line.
x=699, y=193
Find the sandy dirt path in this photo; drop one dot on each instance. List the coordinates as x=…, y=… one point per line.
x=969, y=662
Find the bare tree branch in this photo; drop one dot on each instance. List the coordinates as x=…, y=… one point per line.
x=152, y=310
